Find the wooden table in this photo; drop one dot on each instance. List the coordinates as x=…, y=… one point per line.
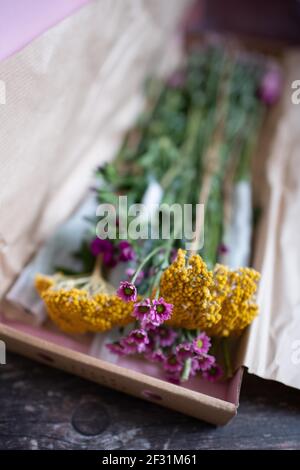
x=43, y=408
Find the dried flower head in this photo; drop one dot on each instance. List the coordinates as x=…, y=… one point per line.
x=79, y=305
x=127, y=291
x=220, y=302
x=188, y=285
x=213, y=374
x=201, y=344
x=236, y=291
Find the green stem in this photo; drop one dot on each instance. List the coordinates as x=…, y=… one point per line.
x=189, y=335
x=160, y=271
x=145, y=261
x=155, y=281
x=186, y=370
x=194, y=120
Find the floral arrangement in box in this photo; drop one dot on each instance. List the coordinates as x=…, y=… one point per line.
x=180, y=302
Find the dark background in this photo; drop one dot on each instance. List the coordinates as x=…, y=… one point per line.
x=277, y=20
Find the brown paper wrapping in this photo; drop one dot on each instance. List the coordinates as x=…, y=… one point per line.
x=273, y=343
x=71, y=94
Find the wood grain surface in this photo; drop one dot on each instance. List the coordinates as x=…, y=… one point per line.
x=43, y=408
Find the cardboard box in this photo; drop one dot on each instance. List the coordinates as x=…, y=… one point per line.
x=32, y=209
x=217, y=408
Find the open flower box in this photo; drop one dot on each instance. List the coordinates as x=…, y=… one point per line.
x=53, y=137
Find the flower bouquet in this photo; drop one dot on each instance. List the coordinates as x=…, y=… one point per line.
x=174, y=222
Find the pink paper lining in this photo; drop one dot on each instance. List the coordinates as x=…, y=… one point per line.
x=23, y=20
x=55, y=337
x=228, y=391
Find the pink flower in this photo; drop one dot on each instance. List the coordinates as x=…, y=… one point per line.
x=173, y=378
x=126, y=251
x=202, y=363
x=156, y=356
x=127, y=291
x=166, y=336
x=161, y=312
x=173, y=364
x=130, y=272
x=136, y=341
x=201, y=344
x=151, y=345
x=116, y=348
x=270, y=87
x=184, y=351
x=142, y=310
x=213, y=374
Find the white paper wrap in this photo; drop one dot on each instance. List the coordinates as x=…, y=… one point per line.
x=237, y=237
x=58, y=250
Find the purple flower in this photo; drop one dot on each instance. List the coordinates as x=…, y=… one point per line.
x=270, y=87
x=130, y=272
x=201, y=344
x=98, y=246
x=127, y=291
x=106, y=248
x=166, y=336
x=206, y=361
x=173, y=364
x=202, y=363
x=184, y=351
x=173, y=255
x=109, y=259
x=126, y=251
x=116, y=348
x=151, y=345
x=173, y=378
x=161, y=311
x=213, y=374
x=142, y=310
x=194, y=366
x=156, y=356
x=223, y=249
x=136, y=341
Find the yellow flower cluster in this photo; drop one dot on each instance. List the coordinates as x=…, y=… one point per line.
x=77, y=310
x=189, y=286
x=220, y=302
x=236, y=293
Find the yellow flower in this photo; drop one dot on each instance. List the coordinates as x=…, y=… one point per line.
x=79, y=310
x=220, y=302
x=188, y=285
x=43, y=283
x=236, y=291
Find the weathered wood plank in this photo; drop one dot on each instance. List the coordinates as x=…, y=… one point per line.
x=43, y=408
